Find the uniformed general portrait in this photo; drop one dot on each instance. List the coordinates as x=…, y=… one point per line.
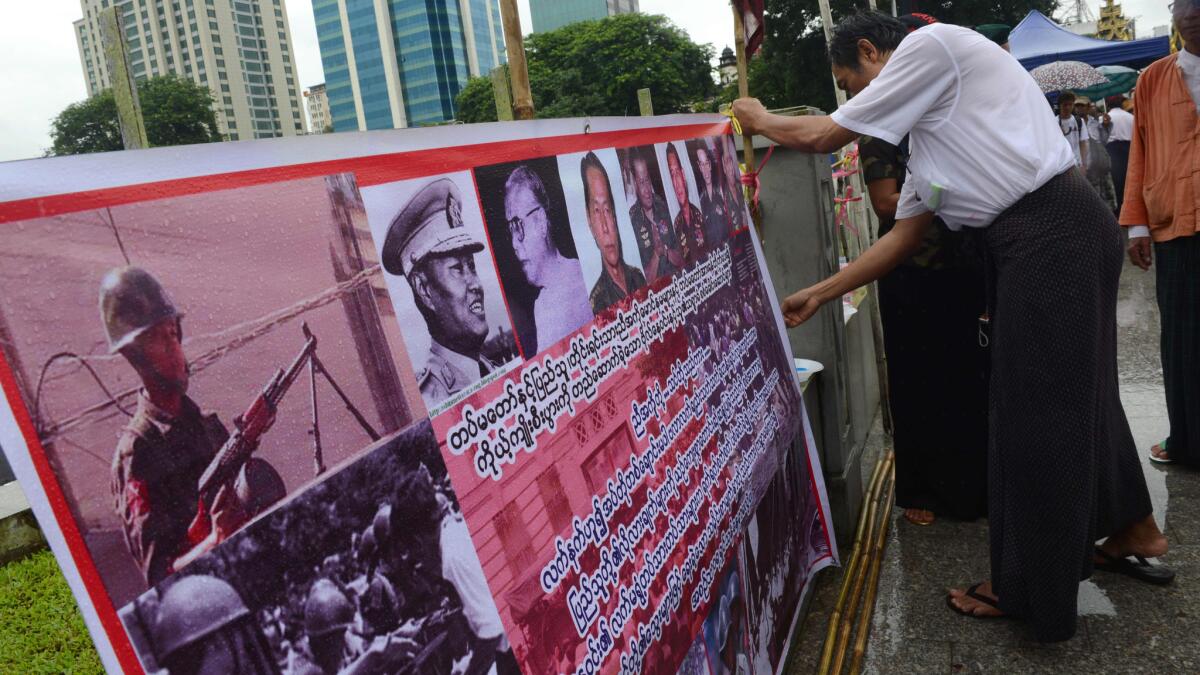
x=604, y=236
x=530, y=228
x=433, y=248
x=191, y=362
x=661, y=248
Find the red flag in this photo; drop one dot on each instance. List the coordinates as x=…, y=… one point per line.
x=752, y=23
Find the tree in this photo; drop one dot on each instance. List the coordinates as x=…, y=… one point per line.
x=793, y=66
x=596, y=68
x=176, y=111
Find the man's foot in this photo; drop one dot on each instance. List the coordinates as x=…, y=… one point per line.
x=919, y=516
x=977, y=601
x=1142, y=538
x=1159, y=453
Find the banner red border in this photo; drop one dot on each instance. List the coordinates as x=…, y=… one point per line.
x=369, y=170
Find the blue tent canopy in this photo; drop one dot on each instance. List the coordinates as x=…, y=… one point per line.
x=1038, y=40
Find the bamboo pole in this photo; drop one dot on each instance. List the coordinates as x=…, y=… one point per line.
x=847, y=621
x=864, y=623
x=855, y=557
x=518, y=71
x=739, y=43
x=125, y=93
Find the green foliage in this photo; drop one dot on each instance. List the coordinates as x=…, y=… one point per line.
x=87, y=126
x=41, y=630
x=793, y=67
x=176, y=111
x=597, y=67
x=477, y=101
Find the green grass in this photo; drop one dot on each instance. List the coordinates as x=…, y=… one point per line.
x=41, y=629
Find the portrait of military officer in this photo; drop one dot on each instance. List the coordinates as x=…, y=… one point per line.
x=429, y=245
x=618, y=279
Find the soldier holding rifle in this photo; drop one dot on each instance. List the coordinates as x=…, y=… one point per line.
x=170, y=442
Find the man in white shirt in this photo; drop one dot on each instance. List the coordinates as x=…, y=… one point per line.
x=986, y=153
x=1119, y=135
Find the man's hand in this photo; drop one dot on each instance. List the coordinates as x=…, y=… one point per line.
x=1139, y=252
x=749, y=113
x=800, y=307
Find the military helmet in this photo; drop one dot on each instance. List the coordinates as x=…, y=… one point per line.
x=381, y=524
x=131, y=302
x=193, y=608
x=327, y=609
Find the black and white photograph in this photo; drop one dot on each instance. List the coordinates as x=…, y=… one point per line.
x=657, y=242
x=370, y=571
x=604, y=236
x=442, y=283
x=529, y=225
x=682, y=200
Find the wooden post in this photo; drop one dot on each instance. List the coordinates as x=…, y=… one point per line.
x=116, y=54
x=645, y=103
x=504, y=108
x=518, y=71
x=739, y=42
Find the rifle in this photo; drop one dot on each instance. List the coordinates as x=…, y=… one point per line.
x=249, y=428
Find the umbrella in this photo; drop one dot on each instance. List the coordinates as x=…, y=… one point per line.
x=1066, y=75
x=1120, y=80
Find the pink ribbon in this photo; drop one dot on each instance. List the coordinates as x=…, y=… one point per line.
x=750, y=178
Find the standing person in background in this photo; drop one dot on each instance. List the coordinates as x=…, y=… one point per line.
x=1119, y=135
x=937, y=369
x=1073, y=128
x=1099, y=167
x=1161, y=202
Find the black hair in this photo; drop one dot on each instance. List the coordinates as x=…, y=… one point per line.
x=881, y=30
x=592, y=162
x=1066, y=96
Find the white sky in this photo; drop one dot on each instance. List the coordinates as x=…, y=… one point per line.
x=39, y=62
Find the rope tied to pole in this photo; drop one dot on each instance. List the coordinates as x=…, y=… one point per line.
x=750, y=179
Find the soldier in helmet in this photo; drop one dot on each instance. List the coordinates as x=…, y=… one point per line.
x=331, y=647
x=164, y=449
x=202, y=627
x=429, y=245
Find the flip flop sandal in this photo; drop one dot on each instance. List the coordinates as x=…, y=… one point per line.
x=918, y=523
x=1141, y=570
x=973, y=593
x=1161, y=460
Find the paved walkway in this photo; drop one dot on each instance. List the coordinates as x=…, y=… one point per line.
x=1125, y=626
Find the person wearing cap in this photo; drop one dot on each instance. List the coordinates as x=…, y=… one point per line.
x=997, y=33
x=542, y=245
x=429, y=245
x=1063, y=470
x=166, y=446
x=617, y=278
x=1162, y=212
x=331, y=647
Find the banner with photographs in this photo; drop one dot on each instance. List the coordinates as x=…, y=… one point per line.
x=488, y=399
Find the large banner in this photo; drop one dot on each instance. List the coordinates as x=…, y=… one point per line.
x=498, y=398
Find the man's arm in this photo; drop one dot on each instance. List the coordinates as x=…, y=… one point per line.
x=1133, y=212
x=885, y=197
x=884, y=255
x=806, y=133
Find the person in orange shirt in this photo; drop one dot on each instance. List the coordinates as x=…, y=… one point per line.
x=1162, y=193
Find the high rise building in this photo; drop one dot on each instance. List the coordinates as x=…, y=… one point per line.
x=551, y=14
x=240, y=49
x=399, y=63
x=318, y=108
